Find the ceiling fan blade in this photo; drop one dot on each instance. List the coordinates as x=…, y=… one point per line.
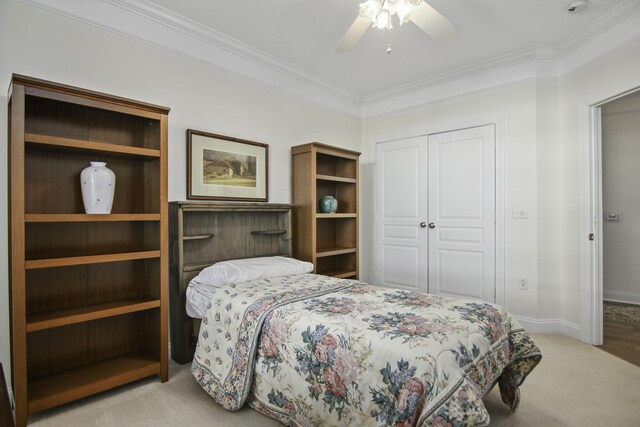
x=354, y=34
x=432, y=22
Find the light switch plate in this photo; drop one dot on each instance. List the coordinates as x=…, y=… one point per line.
x=520, y=213
x=613, y=216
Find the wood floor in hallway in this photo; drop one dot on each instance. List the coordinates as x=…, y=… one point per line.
x=622, y=340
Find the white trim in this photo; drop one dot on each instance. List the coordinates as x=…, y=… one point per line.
x=599, y=26
x=612, y=30
x=500, y=164
x=622, y=296
x=550, y=326
x=590, y=148
x=590, y=202
x=158, y=27
x=597, y=282
x=151, y=24
x=448, y=85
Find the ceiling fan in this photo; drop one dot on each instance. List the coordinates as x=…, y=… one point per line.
x=378, y=13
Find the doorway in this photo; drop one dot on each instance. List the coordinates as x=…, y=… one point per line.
x=591, y=214
x=435, y=213
x=620, y=129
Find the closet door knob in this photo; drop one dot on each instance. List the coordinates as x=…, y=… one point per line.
x=432, y=225
x=423, y=225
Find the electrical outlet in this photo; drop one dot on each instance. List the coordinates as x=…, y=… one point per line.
x=523, y=283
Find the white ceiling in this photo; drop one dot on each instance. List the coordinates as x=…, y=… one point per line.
x=305, y=33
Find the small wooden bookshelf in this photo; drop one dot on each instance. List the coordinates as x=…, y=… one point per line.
x=328, y=240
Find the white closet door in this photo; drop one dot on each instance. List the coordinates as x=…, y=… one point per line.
x=400, y=243
x=461, y=195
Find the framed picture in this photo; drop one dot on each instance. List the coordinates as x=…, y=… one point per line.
x=225, y=168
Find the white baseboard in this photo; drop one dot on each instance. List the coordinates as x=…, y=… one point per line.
x=550, y=326
x=621, y=296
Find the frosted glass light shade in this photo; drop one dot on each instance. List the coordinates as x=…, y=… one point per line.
x=383, y=20
x=379, y=12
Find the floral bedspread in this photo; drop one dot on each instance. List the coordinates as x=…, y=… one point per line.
x=311, y=350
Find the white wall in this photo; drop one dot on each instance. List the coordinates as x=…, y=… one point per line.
x=513, y=108
x=542, y=130
x=612, y=74
x=44, y=45
x=620, y=184
x=548, y=174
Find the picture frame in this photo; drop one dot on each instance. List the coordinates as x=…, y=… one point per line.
x=225, y=168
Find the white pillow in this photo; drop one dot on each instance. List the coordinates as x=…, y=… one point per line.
x=242, y=270
x=198, y=298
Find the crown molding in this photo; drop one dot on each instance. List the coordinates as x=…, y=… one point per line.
x=504, y=71
x=618, y=27
x=151, y=24
x=148, y=23
x=610, y=31
x=610, y=19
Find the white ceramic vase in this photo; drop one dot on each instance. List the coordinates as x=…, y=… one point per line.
x=98, y=184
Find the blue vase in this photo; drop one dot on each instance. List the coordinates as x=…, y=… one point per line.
x=328, y=204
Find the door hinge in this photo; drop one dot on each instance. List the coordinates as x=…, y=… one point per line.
x=592, y=236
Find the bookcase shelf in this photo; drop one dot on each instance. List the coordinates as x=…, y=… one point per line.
x=341, y=274
x=89, y=293
x=336, y=215
x=90, y=217
x=54, y=390
x=324, y=252
x=90, y=259
x=54, y=142
x=336, y=179
x=54, y=319
x=328, y=240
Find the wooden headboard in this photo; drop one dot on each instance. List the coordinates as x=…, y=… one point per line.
x=203, y=233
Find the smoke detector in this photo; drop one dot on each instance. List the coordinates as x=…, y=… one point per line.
x=577, y=6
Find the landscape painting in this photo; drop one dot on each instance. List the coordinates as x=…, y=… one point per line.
x=226, y=168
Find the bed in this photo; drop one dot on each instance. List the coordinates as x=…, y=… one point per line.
x=311, y=350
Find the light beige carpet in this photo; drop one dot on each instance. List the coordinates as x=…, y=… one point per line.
x=574, y=385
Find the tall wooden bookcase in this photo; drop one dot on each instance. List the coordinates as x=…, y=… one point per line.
x=328, y=240
x=88, y=293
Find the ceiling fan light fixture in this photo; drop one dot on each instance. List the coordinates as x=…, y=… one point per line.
x=370, y=9
x=405, y=8
x=383, y=20
x=379, y=14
